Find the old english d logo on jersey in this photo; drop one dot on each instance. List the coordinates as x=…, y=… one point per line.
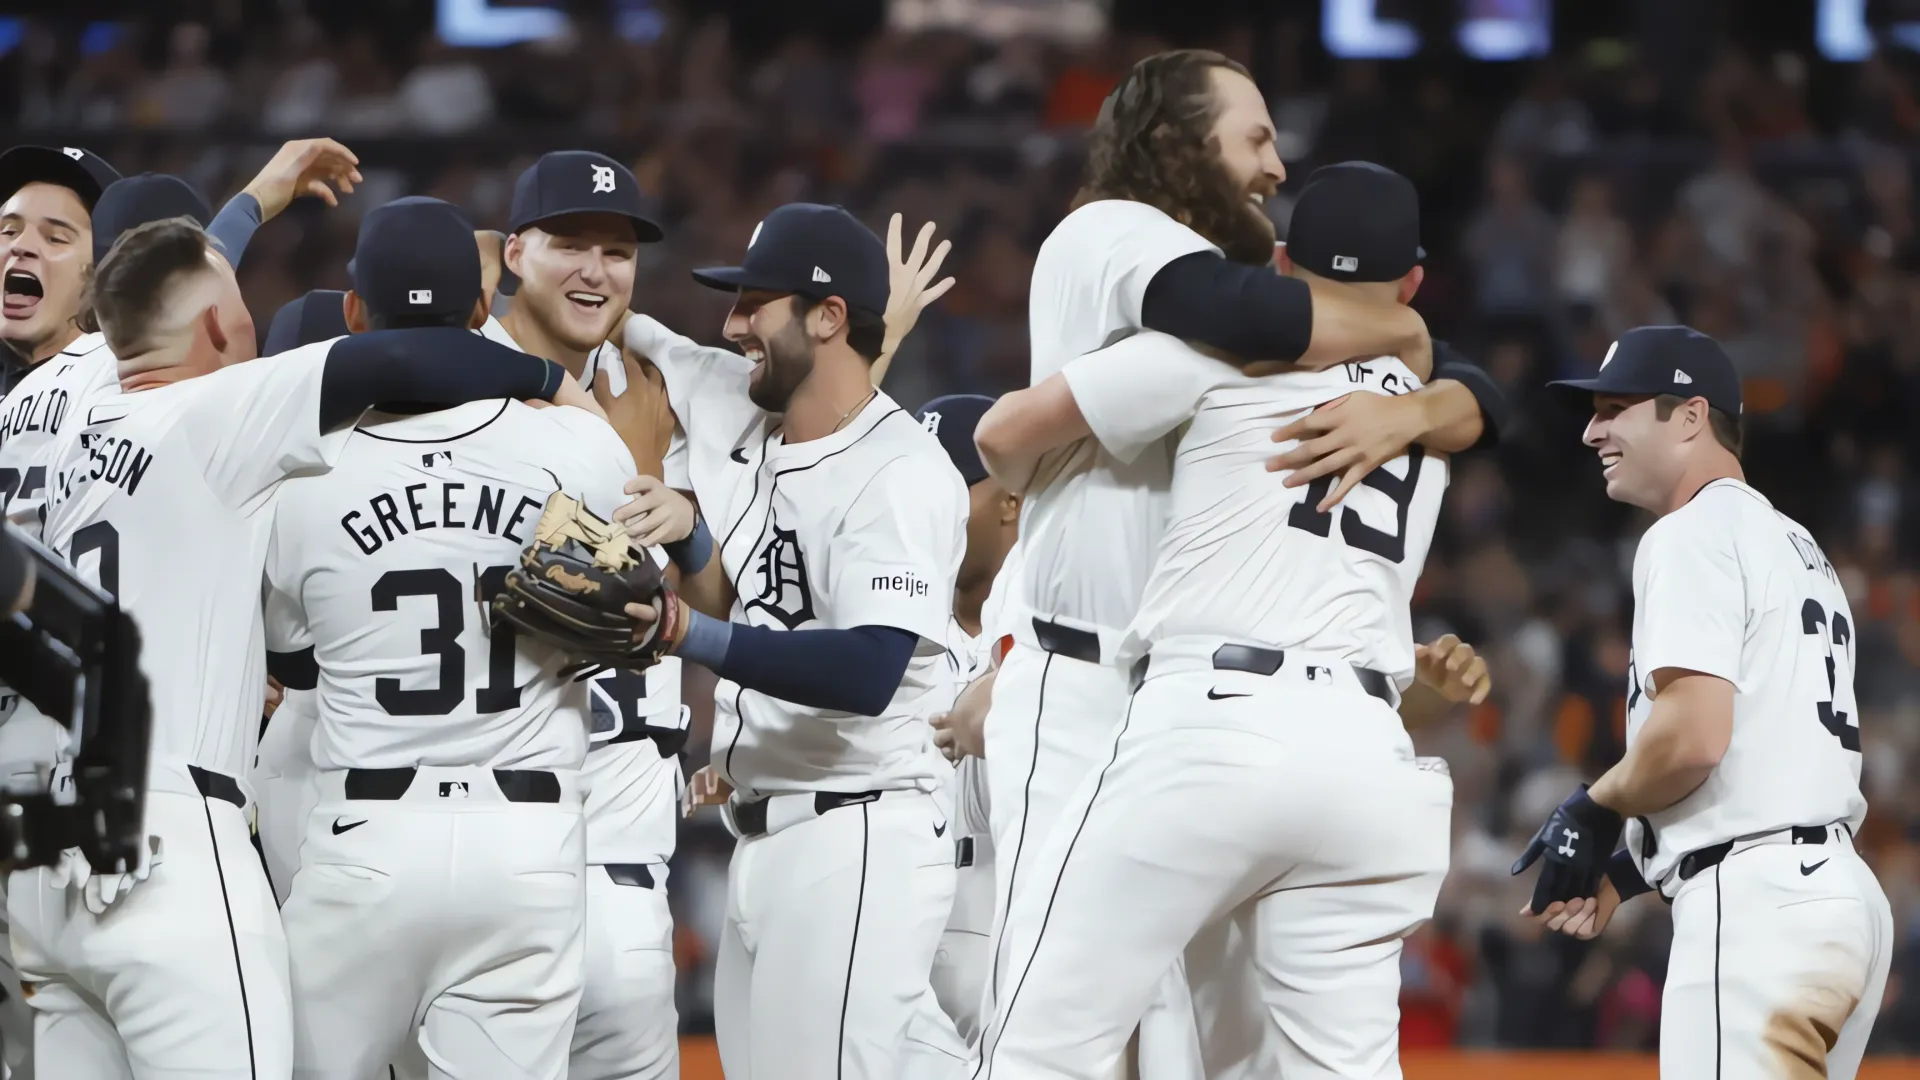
x=784, y=592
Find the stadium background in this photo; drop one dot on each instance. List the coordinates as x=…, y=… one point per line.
x=1747, y=168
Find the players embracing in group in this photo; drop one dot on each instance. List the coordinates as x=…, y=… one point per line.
x=1155, y=605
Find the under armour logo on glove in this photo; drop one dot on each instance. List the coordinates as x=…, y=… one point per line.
x=1586, y=833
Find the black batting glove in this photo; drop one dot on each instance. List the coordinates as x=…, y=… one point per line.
x=1577, y=840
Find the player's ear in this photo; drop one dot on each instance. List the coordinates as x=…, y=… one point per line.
x=1411, y=283
x=355, y=313
x=831, y=314
x=216, y=334
x=511, y=253
x=479, y=317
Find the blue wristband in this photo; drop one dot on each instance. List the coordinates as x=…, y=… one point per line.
x=706, y=640
x=691, y=552
x=1625, y=875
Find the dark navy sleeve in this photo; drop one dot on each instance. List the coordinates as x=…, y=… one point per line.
x=432, y=366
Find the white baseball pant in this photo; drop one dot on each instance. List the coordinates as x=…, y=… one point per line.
x=965, y=956
x=833, y=916
x=183, y=977
x=1050, y=726
x=1300, y=799
x=1779, y=960
x=30, y=746
x=451, y=900
x=628, y=1028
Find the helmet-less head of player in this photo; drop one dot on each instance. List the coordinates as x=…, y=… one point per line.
x=993, y=512
x=46, y=234
x=169, y=305
x=1666, y=415
x=812, y=297
x=578, y=219
x=414, y=265
x=1188, y=132
x=1357, y=223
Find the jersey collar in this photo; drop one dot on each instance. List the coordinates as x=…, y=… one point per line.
x=863, y=423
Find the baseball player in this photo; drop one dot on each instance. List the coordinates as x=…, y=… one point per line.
x=447, y=856
x=1257, y=606
x=993, y=522
x=1739, y=793
x=577, y=220
x=837, y=522
x=1141, y=251
x=161, y=495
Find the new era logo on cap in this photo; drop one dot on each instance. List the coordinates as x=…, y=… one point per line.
x=420, y=296
x=1681, y=377
x=602, y=179
x=1346, y=264
x=821, y=275
x=931, y=422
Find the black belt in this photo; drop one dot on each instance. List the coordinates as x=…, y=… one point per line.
x=751, y=817
x=215, y=785
x=1081, y=645
x=1255, y=660
x=1695, y=861
x=636, y=874
x=517, y=785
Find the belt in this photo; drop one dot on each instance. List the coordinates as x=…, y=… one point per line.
x=215, y=785
x=1255, y=660
x=516, y=785
x=750, y=815
x=639, y=875
x=1067, y=641
x=1695, y=861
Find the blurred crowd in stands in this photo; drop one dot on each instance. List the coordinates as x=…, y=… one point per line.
x=1760, y=196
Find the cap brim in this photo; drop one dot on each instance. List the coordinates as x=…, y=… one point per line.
x=25, y=165
x=733, y=278
x=645, y=231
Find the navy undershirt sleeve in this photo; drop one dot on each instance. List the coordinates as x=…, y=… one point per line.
x=855, y=670
x=1495, y=412
x=233, y=227
x=436, y=367
x=1250, y=312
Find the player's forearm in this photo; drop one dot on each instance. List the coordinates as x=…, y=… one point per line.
x=1422, y=705
x=1673, y=754
x=438, y=366
x=1447, y=416
x=1349, y=325
x=856, y=670
x=1244, y=314
x=1023, y=426
x=708, y=591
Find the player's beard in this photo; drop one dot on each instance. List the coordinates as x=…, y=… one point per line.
x=789, y=360
x=1226, y=216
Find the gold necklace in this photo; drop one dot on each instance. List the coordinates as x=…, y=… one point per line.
x=848, y=415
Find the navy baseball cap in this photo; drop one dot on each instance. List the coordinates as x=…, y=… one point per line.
x=814, y=250
x=317, y=316
x=1677, y=360
x=134, y=201
x=81, y=171
x=416, y=256
x=952, y=419
x=1356, y=221
x=579, y=182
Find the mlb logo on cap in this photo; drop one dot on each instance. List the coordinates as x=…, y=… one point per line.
x=420, y=296
x=1346, y=263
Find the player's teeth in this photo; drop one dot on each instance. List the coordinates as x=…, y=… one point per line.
x=586, y=298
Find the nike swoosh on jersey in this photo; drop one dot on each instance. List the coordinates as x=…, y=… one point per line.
x=738, y=454
x=940, y=829
x=1805, y=869
x=349, y=827
x=1215, y=695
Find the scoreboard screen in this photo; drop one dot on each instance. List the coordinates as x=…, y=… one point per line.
x=487, y=24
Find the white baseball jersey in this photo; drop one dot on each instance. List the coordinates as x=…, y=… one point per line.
x=384, y=559
x=1728, y=586
x=863, y=527
x=164, y=498
x=1091, y=523
x=630, y=816
x=33, y=415
x=1273, y=570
